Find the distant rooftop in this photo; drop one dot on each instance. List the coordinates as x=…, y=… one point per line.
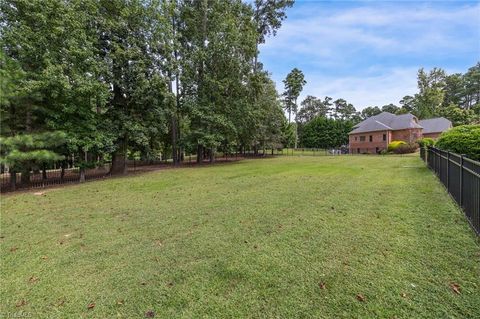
x=435, y=125
x=388, y=121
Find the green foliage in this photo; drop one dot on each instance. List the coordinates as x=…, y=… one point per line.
x=104, y=72
x=370, y=111
x=24, y=151
x=401, y=147
x=324, y=132
x=426, y=141
x=394, y=145
x=464, y=139
x=453, y=96
x=294, y=83
x=288, y=132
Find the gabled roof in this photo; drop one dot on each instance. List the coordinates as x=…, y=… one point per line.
x=435, y=125
x=386, y=121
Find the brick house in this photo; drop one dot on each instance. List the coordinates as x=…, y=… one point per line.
x=375, y=133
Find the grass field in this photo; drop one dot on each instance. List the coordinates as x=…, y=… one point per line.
x=310, y=237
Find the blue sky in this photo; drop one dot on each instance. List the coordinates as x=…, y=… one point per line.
x=368, y=52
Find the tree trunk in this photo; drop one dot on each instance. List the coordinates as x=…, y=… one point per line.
x=119, y=158
x=44, y=172
x=25, y=177
x=13, y=180
x=62, y=172
x=199, y=153
x=82, y=174
x=212, y=155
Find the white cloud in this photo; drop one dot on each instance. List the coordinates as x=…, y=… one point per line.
x=396, y=29
x=370, y=54
x=379, y=90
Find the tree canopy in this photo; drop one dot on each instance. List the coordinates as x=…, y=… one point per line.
x=160, y=78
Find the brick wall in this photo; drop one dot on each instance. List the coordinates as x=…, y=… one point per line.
x=379, y=141
x=407, y=135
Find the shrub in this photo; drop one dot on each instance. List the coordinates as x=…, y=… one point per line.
x=405, y=149
x=464, y=139
x=424, y=142
x=401, y=147
x=394, y=145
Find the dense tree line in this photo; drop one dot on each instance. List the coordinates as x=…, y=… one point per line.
x=143, y=77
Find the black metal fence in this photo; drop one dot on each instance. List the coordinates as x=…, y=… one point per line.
x=43, y=178
x=10, y=182
x=461, y=177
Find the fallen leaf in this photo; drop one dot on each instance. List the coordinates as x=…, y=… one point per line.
x=44, y=257
x=21, y=303
x=255, y=246
x=33, y=279
x=455, y=287
x=120, y=302
x=38, y=193
x=404, y=295
x=149, y=314
x=170, y=284
x=360, y=297
x=60, y=302
x=322, y=285
x=91, y=305
x=13, y=249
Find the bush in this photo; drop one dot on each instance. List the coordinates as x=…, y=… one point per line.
x=401, y=147
x=464, y=139
x=394, y=145
x=424, y=142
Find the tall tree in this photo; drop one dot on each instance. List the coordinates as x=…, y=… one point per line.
x=370, y=111
x=391, y=108
x=294, y=83
x=311, y=107
x=431, y=92
x=472, y=87
x=268, y=16
x=343, y=110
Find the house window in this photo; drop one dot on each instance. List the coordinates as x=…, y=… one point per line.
x=362, y=138
x=355, y=138
x=370, y=138
x=384, y=137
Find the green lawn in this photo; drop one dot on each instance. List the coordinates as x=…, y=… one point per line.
x=311, y=237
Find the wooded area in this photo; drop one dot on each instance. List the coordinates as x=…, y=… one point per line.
x=146, y=78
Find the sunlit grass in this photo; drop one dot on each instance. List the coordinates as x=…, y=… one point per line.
x=320, y=237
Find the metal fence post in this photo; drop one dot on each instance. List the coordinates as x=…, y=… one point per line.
x=461, y=180
x=448, y=171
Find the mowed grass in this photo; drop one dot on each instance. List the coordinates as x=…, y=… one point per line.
x=289, y=237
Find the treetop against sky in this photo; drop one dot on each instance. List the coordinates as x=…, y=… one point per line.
x=368, y=52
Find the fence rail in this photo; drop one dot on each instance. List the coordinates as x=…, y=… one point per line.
x=461, y=177
x=10, y=182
